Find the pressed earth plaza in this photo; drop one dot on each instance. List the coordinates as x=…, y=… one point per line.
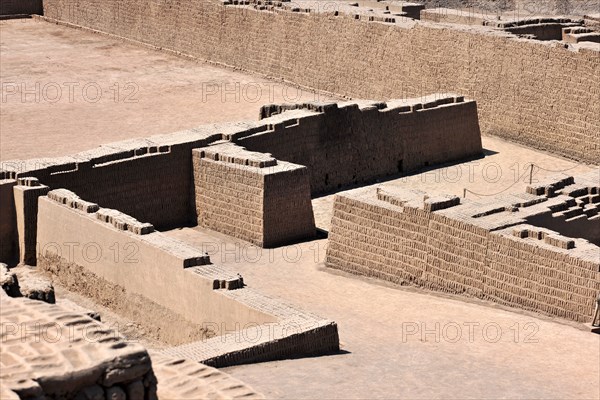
x=262, y=199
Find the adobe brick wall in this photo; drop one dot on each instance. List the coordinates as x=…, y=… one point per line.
x=125, y=256
x=252, y=196
x=536, y=93
x=148, y=187
x=228, y=199
x=287, y=207
x=296, y=333
x=8, y=222
x=576, y=208
x=150, y=265
x=541, y=278
x=26, y=194
x=282, y=341
x=356, y=142
x=152, y=179
x=16, y=7
x=473, y=249
x=541, y=28
x=149, y=179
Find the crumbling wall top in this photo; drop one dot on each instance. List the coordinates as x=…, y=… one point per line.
x=577, y=198
x=231, y=153
x=145, y=232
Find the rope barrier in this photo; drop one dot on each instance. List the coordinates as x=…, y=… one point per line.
x=555, y=171
x=518, y=180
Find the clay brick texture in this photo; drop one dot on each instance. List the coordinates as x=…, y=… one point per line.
x=353, y=143
x=152, y=187
x=537, y=93
x=266, y=206
x=452, y=251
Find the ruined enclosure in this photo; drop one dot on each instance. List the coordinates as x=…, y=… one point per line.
x=269, y=205
x=559, y=119
x=483, y=249
x=309, y=244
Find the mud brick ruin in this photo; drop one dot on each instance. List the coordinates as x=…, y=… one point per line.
x=452, y=57
x=268, y=205
x=509, y=250
x=252, y=196
x=109, y=224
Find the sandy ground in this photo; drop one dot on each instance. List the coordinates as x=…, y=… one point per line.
x=397, y=342
x=403, y=342
x=66, y=90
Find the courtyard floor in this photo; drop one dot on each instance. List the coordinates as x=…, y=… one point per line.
x=399, y=342
x=66, y=90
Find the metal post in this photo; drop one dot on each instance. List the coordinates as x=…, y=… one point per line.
x=531, y=174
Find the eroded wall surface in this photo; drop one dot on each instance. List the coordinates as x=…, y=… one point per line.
x=48, y=351
x=537, y=93
x=356, y=142
x=57, y=351
x=252, y=196
x=475, y=248
x=146, y=263
x=100, y=251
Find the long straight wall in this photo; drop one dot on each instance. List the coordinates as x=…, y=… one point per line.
x=408, y=245
x=150, y=265
x=537, y=93
x=349, y=144
x=152, y=188
x=149, y=179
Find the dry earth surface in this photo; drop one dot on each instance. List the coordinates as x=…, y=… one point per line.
x=406, y=343
x=66, y=90
x=391, y=344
